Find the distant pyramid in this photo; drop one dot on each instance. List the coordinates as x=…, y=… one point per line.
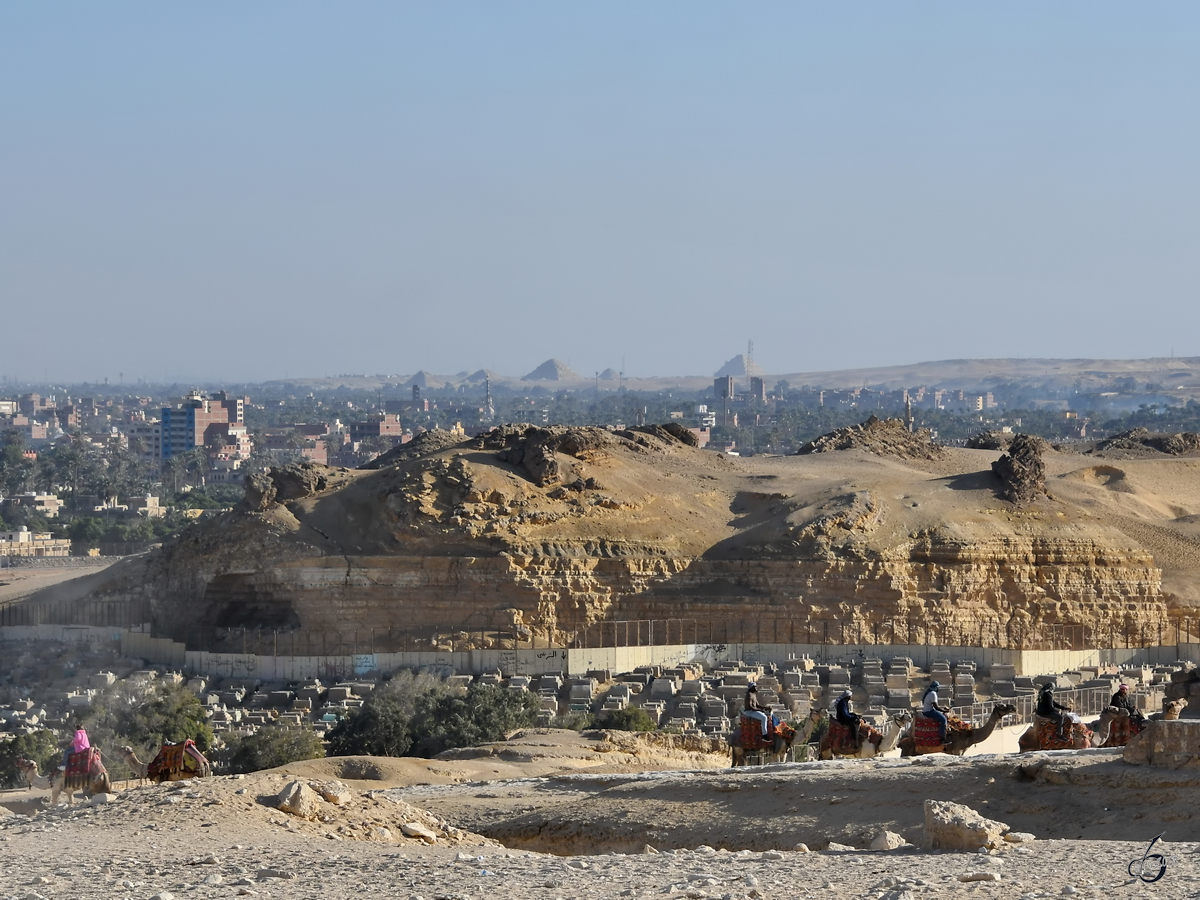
x=425, y=380
x=552, y=370
x=735, y=367
x=609, y=375
x=481, y=376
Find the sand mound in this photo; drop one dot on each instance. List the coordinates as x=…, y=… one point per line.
x=884, y=437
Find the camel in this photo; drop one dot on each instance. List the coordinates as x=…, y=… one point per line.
x=958, y=740
x=1082, y=737
x=785, y=736
x=29, y=771
x=874, y=743
x=98, y=783
x=142, y=771
x=1171, y=713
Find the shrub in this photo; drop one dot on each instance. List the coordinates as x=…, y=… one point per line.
x=40, y=746
x=143, y=716
x=267, y=748
x=631, y=718
x=483, y=713
x=381, y=726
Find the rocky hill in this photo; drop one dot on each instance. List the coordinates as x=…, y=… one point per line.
x=549, y=530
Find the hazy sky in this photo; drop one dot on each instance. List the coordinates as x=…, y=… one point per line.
x=244, y=190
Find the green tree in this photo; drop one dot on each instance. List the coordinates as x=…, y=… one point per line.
x=86, y=531
x=482, y=714
x=144, y=716
x=381, y=726
x=40, y=746
x=267, y=748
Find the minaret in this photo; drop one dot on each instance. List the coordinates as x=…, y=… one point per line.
x=908, y=418
x=489, y=412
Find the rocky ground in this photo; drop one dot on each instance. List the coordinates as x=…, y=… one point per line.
x=691, y=833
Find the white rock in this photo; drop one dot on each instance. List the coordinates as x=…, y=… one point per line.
x=835, y=847
x=800, y=848
x=1019, y=837
x=417, y=830
x=101, y=799
x=952, y=826
x=887, y=840
x=702, y=876
x=213, y=878
x=1069, y=889
x=979, y=876
x=298, y=799
x=332, y=792
x=163, y=895
x=750, y=881
x=897, y=894
x=646, y=848
x=772, y=854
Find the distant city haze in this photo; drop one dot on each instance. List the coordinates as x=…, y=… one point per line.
x=232, y=192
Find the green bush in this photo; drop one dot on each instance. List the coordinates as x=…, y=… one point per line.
x=482, y=714
x=631, y=718
x=40, y=746
x=267, y=748
x=574, y=721
x=143, y=716
x=381, y=726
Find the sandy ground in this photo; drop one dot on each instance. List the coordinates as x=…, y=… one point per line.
x=19, y=582
x=718, y=833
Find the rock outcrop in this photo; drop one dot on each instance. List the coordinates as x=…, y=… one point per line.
x=1170, y=745
x=885, y=437
x=1021, y=471
x=1142, y=442
x=989, y=440
x=546, y=532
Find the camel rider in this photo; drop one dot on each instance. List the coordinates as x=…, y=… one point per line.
x=78, y=744
x=1049, y=708
x=930, y=708
x=1122, y=700
x=847, y=716
x=755, y=710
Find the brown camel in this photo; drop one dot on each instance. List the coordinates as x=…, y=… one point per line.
x=959, y=740
x=29, y=771
x=98, y=782
x=1082, y=737
x=139, y=769
x=1172, y=711
x=784, y=738
x=873, y=743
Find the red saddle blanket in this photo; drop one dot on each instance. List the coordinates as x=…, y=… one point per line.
x=175, y=759
x=927, y=734
x=1048, y=739
x=841, y=737
x=82, y=767
x=1122, y=731
x=752, y=737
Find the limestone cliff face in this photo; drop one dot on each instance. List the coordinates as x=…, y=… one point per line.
x=636, y=526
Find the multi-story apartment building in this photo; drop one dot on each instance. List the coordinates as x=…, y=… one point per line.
x=190, y=424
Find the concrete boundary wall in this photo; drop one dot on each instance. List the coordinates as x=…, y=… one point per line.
x=164, y=651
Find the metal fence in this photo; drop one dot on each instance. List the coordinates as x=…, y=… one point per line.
x=479, y=632
x=1085, y=702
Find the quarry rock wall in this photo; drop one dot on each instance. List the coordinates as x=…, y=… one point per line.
x=1005, y=591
